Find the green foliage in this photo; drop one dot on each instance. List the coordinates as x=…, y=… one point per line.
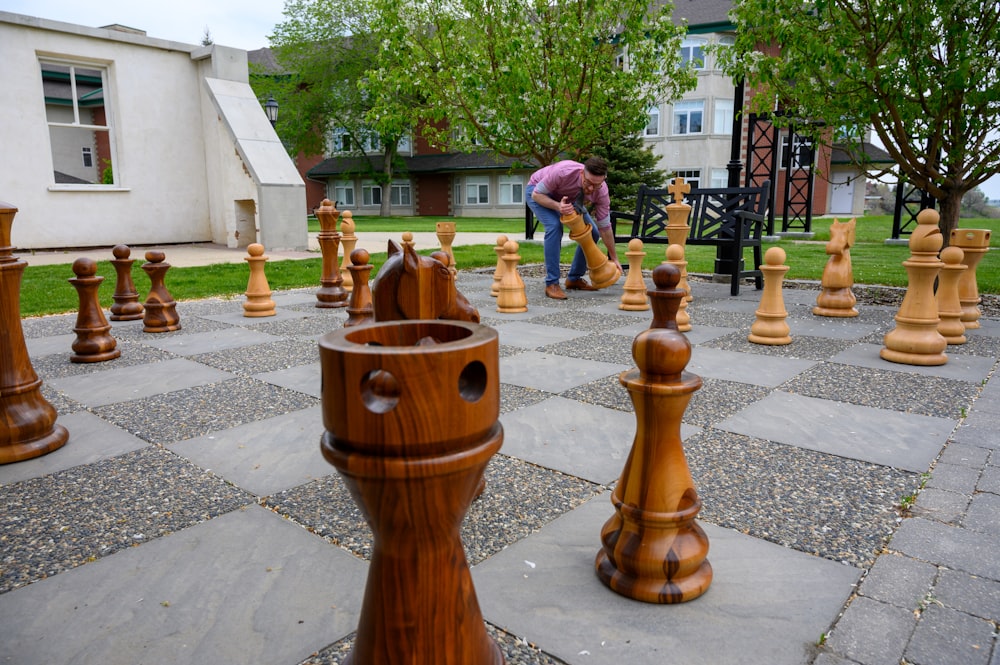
x=530, y=79
x=630, y=164
x=926, y=80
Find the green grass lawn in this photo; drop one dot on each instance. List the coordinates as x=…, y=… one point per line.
x=45, y=289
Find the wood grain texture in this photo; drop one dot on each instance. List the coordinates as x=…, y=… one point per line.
x=603, y=273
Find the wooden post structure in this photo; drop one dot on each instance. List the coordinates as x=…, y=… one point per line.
x=331, y=293
x=412, y=436
x=27, y=421
x=126, y=305
x=653, y=550
x=603, y=273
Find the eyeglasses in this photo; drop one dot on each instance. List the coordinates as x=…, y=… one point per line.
x=588, y=181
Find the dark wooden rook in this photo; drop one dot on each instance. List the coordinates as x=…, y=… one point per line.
x=410, y=412
x=93, y=342
x=126, y=305
x=161, y=310
x=653, y=550
x=27, y=421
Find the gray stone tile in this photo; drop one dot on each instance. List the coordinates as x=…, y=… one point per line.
x=944, y=635
x=90, y=439
x=49, y=346
x=545, y=589
x=303, y=378
x=137, y=381
x=265, y=456
x=246, y=587
x=899, y=581
x=972, y=595
x=982, y=435
x=210, y=341
x=990, y=480
x=940, y=505
x=236, y=318
x=831, y=327
x=984, y=513
x=582, y=440
x=552, y=373
x=745, y=368
x=950, y=546
x=962, y=454
x=963, y=368
x=872, y=633
x=954, y=478
x=531, y=335
x=903, y=441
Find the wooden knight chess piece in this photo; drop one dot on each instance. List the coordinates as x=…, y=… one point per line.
x=359, y=307
x=603, y=273
x=93, y=341
x=498, y=272
x=331, y=293
x=915, y=340
x=161, y=310
x=975, y=243
x=446, y=236
x=836, y=297
x=258, y=301
x=675, y=257
x=412, y=286
x=678, y=226
x=126, y=305
x=348, y=240
x=512, y=298
x=28, y=425
x=770, y=326
x=412, y=439
x=653, y=549
x=634, y=291
x=949, y=305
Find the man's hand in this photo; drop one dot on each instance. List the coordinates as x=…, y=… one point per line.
x=565, y=207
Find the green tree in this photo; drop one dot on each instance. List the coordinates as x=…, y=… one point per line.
x=630, y=163
x=324, y=51
x=925, y=79
x=532, y=79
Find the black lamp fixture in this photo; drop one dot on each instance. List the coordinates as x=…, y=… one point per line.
x=271, y=109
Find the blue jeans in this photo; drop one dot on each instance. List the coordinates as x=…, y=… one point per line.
x=553, y=241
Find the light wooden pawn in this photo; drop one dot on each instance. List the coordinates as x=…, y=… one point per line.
x=258, y=302
x=446, y=236
x=915, y=340
x=675, y=257
x=498, y=273
x=348, y=240
x=408, y=239
x=770, y=327
x=634, y=291
x=678, y=225
x=512, y=298
x=948, y=304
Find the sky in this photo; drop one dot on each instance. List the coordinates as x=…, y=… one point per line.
x=243, y=24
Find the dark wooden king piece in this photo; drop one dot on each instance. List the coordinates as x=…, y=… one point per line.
x=410, y=412
x=27, y=421
x=653, y=550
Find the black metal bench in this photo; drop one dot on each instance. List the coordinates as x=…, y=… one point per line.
x=730, y=218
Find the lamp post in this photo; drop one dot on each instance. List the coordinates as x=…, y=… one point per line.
x=271, y=109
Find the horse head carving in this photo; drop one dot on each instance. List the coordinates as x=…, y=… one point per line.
x=412, y=286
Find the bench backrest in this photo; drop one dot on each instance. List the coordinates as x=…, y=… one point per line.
x=713, y=211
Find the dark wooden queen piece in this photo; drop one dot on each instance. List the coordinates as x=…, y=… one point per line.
x=27, y=421
x=410, y=410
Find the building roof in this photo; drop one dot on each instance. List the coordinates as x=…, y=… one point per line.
x=701, y=15
x=435, y=163
x=873, y=155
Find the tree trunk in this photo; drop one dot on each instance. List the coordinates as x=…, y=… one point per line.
x=388, y=152
x=949, y=208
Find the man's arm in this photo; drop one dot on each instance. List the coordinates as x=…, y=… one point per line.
x=563, y=207
x=608, y=236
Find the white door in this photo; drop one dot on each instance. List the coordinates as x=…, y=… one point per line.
x=841, y=193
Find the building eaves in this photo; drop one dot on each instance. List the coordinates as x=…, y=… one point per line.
x=436, y=163
x=873, y=155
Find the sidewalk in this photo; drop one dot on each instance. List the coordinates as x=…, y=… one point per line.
x=191, y=518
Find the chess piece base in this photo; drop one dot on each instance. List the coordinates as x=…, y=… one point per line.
x=95, y=357
x=22, y=450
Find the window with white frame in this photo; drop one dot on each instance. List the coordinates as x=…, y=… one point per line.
x=653, y=126
x=688, y=117
x=511, y=189
x=340, y=140
x=691, y=177
x=477, y=190
x=800, y=155
x=371, y=193
x=343, y=193
x=726, y=41
x=80, y=122
x=720, y=178
x=693, y=51
x=723, y=122
x=399, y=193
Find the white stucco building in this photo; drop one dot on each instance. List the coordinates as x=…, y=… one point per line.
x=109, y=136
